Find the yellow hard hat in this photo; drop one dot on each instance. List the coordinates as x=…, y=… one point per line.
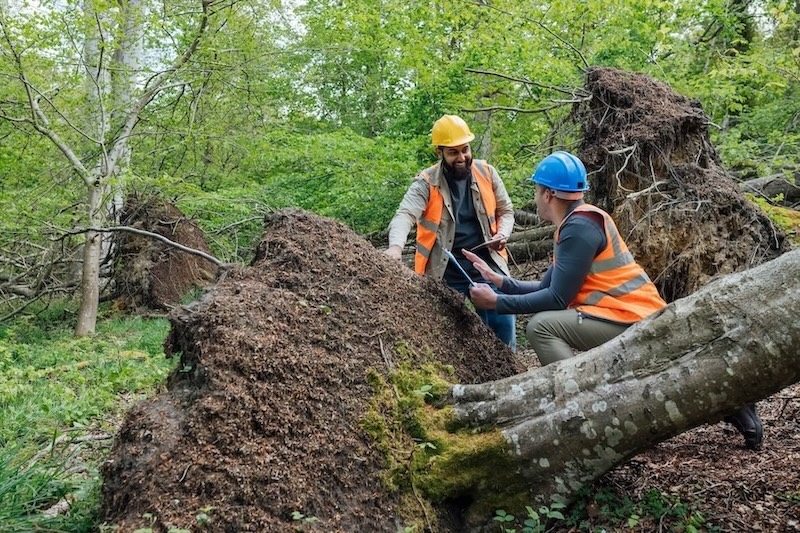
x=451, y=130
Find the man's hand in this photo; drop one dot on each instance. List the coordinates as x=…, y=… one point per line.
x=395, y=252
x=482, y=296
x=499, y=242
x=481, y=266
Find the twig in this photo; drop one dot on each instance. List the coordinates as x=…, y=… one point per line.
x=386, y=357
x=655, y=185
x=629, y=151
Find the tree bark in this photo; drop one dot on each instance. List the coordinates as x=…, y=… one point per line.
x=90, y=278
x=735, y=341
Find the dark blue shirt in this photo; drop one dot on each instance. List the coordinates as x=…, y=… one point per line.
x=468, y=233
x=581, y=238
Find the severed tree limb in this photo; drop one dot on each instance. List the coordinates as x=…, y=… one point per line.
x=733, y=342
x=155, y=236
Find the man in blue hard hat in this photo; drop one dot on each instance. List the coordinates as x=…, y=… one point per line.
x=593, y=291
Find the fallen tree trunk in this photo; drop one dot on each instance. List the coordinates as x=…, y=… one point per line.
x=564, y=425
x=771, y=187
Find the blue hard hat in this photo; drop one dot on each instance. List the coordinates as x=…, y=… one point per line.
x=561, y=171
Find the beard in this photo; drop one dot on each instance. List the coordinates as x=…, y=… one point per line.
x=458, y=173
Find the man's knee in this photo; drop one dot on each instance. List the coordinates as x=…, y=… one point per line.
x=534, y=329
x=543, y=338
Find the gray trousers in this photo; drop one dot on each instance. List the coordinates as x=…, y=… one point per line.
x=554, y=334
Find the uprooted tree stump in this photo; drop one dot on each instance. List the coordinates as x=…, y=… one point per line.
x=148, y=273
x=652, y=166
x=272, y=409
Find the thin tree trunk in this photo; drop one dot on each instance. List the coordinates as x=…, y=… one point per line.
x=90, y=279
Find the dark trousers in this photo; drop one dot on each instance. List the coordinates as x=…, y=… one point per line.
x=504, y=326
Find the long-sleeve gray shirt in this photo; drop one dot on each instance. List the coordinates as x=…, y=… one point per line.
x=581, y=238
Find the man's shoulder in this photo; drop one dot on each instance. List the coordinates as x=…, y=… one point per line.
x=485, y=169
x=429, y=173
x=583, y=219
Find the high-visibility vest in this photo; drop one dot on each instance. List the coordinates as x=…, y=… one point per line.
x=616, y=288
x=428, y=224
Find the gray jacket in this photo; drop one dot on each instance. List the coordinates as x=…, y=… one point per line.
x=416, y=199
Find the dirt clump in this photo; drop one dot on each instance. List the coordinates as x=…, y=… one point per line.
x=259, y=429
x=653, y=167
x=150, y=274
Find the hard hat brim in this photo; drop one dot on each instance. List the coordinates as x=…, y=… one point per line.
x=569, y=195
x=458, y=142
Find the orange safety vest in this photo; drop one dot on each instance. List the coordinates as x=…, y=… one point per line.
x=428, y=225
x=616, y=287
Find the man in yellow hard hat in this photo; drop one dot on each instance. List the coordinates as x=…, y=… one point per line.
x=458, y=203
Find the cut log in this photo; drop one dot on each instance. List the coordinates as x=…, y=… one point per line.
x=770, y=187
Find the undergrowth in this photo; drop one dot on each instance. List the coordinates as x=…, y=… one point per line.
x=61, y=398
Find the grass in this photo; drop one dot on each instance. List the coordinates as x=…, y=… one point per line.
x=60, y=400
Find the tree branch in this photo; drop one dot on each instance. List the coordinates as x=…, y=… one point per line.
x=560, y=39
x=38, y=116
x=158, y=82
x=526, y=81
x=155, y=236
x=517, y=109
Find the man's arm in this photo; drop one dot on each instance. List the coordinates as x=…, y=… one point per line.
x=581, y=240
x=407, y=214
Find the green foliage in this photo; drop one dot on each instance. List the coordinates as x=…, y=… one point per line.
x=54, y=388
x=28, y=485
x=51, y=381
x=602, y=510
x=297, y=515
x=788, y=220
x=535, y=521
x=339, y=174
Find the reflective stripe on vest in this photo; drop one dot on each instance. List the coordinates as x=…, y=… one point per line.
x=428, y=225
x=616, y=287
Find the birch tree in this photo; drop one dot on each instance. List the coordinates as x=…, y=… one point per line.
x=106, y=44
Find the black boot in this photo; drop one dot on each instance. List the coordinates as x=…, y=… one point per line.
x=748, y=423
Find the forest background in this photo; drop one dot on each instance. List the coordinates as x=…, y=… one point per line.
x=233, y=108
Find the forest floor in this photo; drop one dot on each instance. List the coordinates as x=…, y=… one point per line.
x=735, y=489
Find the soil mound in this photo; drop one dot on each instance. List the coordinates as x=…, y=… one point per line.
x=148, y=273
x=653, y=167
x=261, y=419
